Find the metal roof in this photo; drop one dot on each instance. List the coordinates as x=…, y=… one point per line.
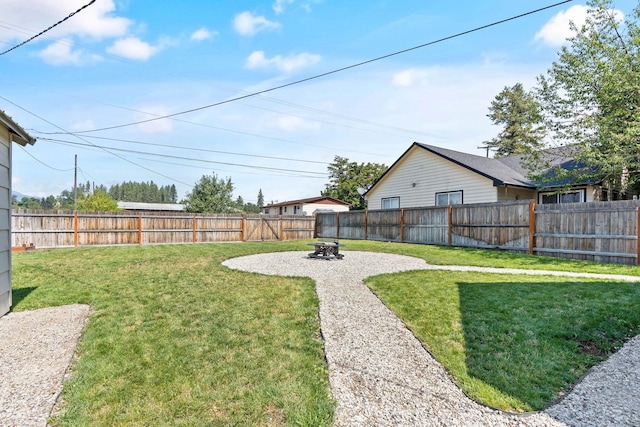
x=136, y=206
x=16, y=132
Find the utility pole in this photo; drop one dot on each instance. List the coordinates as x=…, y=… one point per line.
x=485, y=148
x=75, y=183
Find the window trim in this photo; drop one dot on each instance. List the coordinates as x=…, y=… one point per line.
x=581, y=191
x=449, y=198
x=383, y=199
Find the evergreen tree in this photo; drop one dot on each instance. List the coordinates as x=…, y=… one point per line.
x=260, y=199
x=521, y=118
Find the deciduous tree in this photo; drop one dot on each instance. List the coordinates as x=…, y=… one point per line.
x=211, y=195
x=591, y=96
x=98, y=201
x=349, y=180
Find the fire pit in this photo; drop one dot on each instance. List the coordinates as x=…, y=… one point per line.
x=326, y=250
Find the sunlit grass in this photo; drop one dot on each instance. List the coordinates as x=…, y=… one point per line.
x=513, y=342
x=176, y=338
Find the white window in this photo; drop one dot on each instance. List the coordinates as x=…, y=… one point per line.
x=449, y=198
x=390, y=203
x=576, y=196
x=296, y=209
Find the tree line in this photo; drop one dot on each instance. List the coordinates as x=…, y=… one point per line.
x=587, y=104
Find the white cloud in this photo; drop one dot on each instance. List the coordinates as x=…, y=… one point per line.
x=133, y=48
x=408, y=78
x=155, y=126
x=96, y=21
x=285, y=64
x=293, y=124
x=248, y=24
x=83, y=125
x=280, y=5
x=62, y=53
x=557, y=30
x=203, y=34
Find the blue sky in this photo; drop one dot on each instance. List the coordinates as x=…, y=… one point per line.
x=121, y=62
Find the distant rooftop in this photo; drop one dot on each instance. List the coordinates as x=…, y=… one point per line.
x=135, y=206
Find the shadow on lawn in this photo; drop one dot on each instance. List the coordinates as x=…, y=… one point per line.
x=533, y=340
x=17, y=295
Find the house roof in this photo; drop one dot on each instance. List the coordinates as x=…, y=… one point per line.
x=319, y=200
x=507, y=170
x=137, y=206
x=17, y=134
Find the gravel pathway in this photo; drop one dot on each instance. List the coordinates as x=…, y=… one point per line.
x=380, y=375
x=35, y=351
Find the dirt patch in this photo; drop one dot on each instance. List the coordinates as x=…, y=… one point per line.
x=589, y=347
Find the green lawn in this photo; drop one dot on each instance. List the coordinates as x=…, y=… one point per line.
x=176, y=338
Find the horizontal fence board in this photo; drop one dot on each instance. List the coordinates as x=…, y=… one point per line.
x=595, y=231
x=46, y=229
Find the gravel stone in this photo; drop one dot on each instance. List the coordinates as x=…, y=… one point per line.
x=36, y=350
x=381, y=375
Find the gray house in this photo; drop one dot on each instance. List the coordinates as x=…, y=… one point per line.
x=10, y=132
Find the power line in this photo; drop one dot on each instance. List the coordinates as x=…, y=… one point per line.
x=54, y=25
x=43, y=163
x=328, y=73
x=90, y=143
x=147, y=153
x=279, y=174
x=178, y=147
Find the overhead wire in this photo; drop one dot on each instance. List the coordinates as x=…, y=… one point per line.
x=90, y=143
x=205, y=150
x=328, y=73
x=51, y=27
x=43, y=163
x=124, y=150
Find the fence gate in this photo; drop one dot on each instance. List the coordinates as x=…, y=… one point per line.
x=262, y=228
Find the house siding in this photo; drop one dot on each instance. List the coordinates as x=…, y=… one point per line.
x=311, y=208
x=512, y=194
x=431, y=174
x=5, y=221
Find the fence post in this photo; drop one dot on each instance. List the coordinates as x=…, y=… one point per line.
x=194, y=229
x=366, y=222
x=75, y=229
x=532, y=226
x=337, y=225
x=401, y=225
x=638, y=231
x=140, y=229
x=242, y=227
x=450, y=225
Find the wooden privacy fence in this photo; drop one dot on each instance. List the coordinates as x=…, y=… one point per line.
x=48, y=229
x=598, y=231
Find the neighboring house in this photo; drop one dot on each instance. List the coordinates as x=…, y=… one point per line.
x=306, y=206
x=151, y=207
x=426, y=175
x=10, y=132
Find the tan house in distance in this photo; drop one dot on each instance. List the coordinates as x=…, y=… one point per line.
x=306, y=206
x=426, y=175
x=10, y=132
